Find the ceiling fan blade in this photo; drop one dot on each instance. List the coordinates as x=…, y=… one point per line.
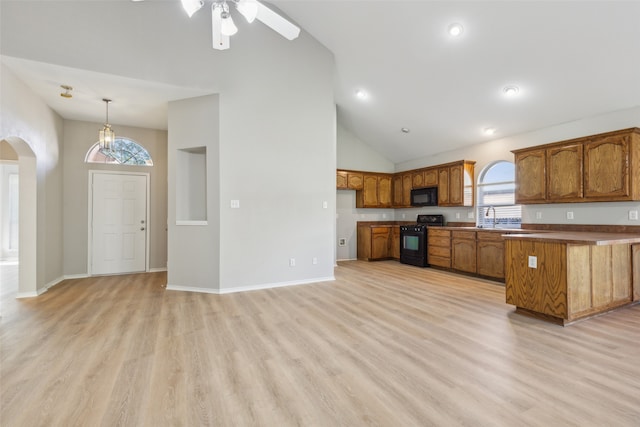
x=276, y=22
x=220, y=41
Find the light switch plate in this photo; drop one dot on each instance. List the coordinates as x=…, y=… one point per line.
x=633, y=215
x=538, y=215
x=569, y=215
x=533, y=261
x=235, y=204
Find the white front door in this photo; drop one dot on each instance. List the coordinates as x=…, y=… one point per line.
x=119, y=223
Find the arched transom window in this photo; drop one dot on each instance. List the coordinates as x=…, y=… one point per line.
x=496, y=190
x=124, y=151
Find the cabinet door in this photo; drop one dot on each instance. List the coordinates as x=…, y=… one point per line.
x=395, y=242
x=380, y=242
x=490, y=255
x=430, y=177
x=417, y=180
x=355, y=181
x=463, y=254
x=370, y=191
x=456, y=185
x=384, y=191
x=341, y=180
x=406, y=189
x=606, y=168
x=397, y=191
x=443, y=186
x=530, y=176
x=564, y=173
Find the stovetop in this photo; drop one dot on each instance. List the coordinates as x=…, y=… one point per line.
x=430, y=219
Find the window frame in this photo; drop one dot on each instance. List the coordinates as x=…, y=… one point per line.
x=94, y=153
x=508, y=215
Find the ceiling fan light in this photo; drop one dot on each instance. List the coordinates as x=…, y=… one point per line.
x=248, y=9
x=191, y=6
x=228, y=28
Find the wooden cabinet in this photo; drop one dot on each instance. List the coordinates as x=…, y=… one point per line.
x=603, y=167
x=564, y=173
x=376, y=191
x=463, y=251
x=430, y=177
x=378, y=242
x=349, y=180
x=571, y=280
x=607, y=167
x=490, y=254
x=402, y=190
x=439, y=247
x=395, y=242
x=455, y=184
x=443, y=186
x=531, y=176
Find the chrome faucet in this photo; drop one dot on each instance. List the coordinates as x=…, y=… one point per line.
x=494, y=215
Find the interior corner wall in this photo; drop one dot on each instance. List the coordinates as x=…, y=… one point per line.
x=26, y=117
x=356, y=155
x=194, y=248
x=79, y=137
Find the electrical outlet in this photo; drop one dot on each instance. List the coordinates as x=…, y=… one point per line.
x=533, y=261
x=292, y=262
x=235, y=204
x=457, y=215
x=314, y=261
x=342, y=241
x=569, y=215
x=538, y=215
x=470, y=215
x=325, y=205
x=633, y=215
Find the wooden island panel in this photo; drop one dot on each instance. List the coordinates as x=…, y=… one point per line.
x=571, y=281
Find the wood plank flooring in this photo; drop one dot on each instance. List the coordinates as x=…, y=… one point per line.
x=384, y=345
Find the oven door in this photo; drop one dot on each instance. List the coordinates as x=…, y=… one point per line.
x=413, y=246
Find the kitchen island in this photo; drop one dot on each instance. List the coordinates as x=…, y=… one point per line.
x=567, y=276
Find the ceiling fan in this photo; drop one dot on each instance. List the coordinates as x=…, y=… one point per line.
x=222, y=23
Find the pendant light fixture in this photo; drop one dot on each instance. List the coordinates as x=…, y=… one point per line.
x=106, y=135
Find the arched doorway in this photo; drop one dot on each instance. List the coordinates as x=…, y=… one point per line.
x=27, y=214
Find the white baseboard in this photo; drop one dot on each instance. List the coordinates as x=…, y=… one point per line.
x=157, y=270
x=347, y=259
x=230, y=290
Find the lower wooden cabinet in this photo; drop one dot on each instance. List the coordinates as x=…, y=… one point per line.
x=378, y=242
x=490, y=254
x=439, y=247
x=463, y=251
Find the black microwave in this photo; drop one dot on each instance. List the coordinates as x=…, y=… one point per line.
x=424, y=196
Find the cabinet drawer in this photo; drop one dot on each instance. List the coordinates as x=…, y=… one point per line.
x=439, y=241
x=466, y=235
x=434, y=232
x=439, y=261
x=490, y=236
x=439, y=251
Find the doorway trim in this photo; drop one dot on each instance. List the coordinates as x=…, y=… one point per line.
x=93, y=172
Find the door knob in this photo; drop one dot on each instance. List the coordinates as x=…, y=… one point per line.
x=141, y=228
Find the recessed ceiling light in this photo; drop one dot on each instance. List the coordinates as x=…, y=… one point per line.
x=361, y=94
x=405, y=130
x=489, y=131
x=455, y=29
x=511, y=90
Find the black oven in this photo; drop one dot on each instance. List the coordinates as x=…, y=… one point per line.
x=413, y=240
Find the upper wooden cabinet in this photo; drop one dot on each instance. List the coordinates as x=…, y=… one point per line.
x=383, y=190
x=455, y=184
x=376, y=191
x=604, y=167
x=349, y=180
x=530, y=176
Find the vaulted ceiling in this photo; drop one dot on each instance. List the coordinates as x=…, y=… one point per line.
x=569, y=60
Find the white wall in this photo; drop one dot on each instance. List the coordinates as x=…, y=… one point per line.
x=78, y=138
x=25, y=119
x=194, y=250
x=354, y=154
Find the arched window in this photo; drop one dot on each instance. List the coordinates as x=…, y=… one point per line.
x=124, y=151
x=496, y=189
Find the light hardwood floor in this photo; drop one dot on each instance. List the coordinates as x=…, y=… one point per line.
x=385, y=344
